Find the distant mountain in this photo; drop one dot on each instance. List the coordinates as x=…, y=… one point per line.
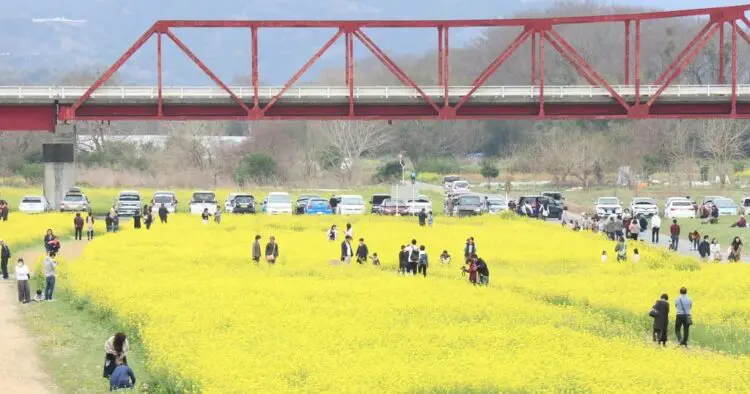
x=41, y=39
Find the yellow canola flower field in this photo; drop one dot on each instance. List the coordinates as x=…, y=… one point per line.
x=553, y=319
x=23, y=230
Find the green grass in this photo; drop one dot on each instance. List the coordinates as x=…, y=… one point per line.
x=71, y=338
x=721, y=231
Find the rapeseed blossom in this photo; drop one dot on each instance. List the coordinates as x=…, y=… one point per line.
x=553, y=319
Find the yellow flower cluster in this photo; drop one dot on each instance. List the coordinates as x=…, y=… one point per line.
x=23, y=230
x=553, y=319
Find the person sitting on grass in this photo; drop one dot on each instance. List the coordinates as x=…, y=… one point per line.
x=122, y=377
x=741, y=222
x=39, y=297
x=115, y=348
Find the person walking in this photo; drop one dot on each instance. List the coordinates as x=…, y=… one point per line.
x=148, y=220
x=424, y=261
x=684, y=320
x=22, y=277
x=137, y=219
x=403, y=260
x=634, y=229
x=50, y=269
x=205, y=215
x=115, y=223
x=413, y=249
x=272, y=250
x=715, y=250
x=5, y=256
x=346, y=250
x=422, y=218
x=333, y=233
x=217, y=215
x=643, y=224
x=704, y=249
x=660, y=314
x=256, y=249
x=108, y=222
x=674, y=232
x=735, y=250
x=362, y=252
x=349, y=231
x=51, y=242
x=163, y=214
x=430, y=219
x=78, y=226
x=116, y=347
x=89, y=226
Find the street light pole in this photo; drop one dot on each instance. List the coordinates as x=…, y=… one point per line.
x=400, y=161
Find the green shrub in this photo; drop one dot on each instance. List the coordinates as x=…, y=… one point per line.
x=439, y=166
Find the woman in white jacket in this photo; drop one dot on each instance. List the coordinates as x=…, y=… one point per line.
x=715, y=250
x=655, y=226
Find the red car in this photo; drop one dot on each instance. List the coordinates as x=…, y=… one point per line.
x=393, y=207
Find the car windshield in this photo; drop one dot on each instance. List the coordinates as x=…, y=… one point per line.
x=747, y=202
x=461, y=184
x=724, y=203
x=682, y=204
x=129, y=197
x=645, y=201
x=279, y=199
x=318, y=202
x=244, y=199
x=420, y=200
x=352, y=201
x=305, y=198
x=377, y=199
x=496, y=201
x=609, y=201
x=449, y=179
x=204, y=197
x=553, y=195
x=469, y=200
x=163, y=199
x=73, y=197
x=31, y=200
x=392, y=203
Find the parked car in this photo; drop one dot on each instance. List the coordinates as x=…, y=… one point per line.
x=243, y=203
x=448, y=182
x=467, y=205
x=679, y=208
x=645, y=206
x=710, y=199
x=74, y=202
x=128, y=202
x=745, y=205
x=166, y=198
x=392, y=207
x=415, y=206
x=460, y=187
x=726, y=206
x=495, y=205
x=318, y=206
x=351, y=204
x=376, y=202
x=277, y=203
x=606, y=206
x=34, y=204
x=302, y=202
x=556, y=208
x=201, y=200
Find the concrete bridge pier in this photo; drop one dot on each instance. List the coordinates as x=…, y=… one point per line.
x=59, y=164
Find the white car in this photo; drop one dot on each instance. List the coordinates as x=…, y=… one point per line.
x=74, y=202
x=645, y=206
x=679, y=208
x=745, y=205
x=167, y=198
x=415, y=206
x=34, y=204
x=448, y=182
x=128, y=203
x=202, y=200
x=277, y=203
x=351, y=204
x=460, y=187
x=607, y=206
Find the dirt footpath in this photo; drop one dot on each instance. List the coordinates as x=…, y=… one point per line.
x=21, y=367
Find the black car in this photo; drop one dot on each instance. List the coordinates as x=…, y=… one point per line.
x=467, y=205
x=376, y=201
x=243, y=203
x=555, y=207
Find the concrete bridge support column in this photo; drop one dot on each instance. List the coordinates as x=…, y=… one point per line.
x=59, y=165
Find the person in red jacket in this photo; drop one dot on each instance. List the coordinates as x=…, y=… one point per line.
x=674, y=232
x=78, y=225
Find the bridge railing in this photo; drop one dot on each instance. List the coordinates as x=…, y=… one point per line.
x=362, y=92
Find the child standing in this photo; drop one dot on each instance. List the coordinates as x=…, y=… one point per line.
x=375, y=259
x=333, y=233
x=256, y=250
x=604, y=256
x=423, y=261
x=636, y=256
x=205, y=215
x=621, y=249
x=429, y=219
x=217, y=215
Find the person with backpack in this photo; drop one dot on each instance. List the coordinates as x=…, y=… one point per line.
x=411, y=267
x=423, y=261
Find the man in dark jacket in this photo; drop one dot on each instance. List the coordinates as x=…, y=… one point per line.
x=5, y=255
x=78, y=226
x=704, y=249
x=362, y=251
x=482, y=270
x=660, y=313
x=403, y=260
x=346, y=250
x=163, y=213
x=422, y=218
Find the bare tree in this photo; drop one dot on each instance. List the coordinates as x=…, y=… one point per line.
x=679, y=147
x=723, y=141
x=354, y=139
